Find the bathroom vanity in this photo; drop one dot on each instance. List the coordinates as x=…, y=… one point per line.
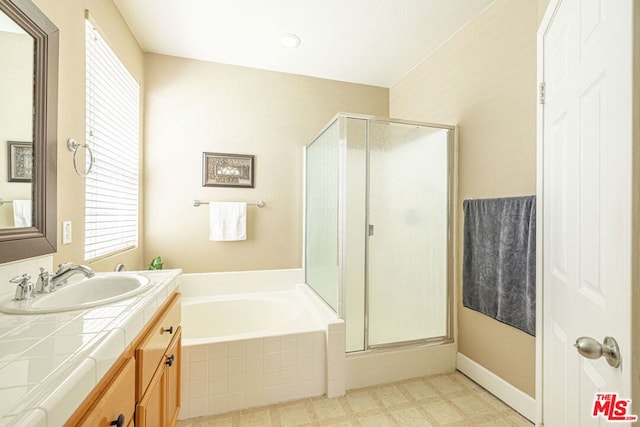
x=144, y=381
x=97, y=366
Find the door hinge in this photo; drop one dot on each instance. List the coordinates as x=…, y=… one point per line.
x=541, y=93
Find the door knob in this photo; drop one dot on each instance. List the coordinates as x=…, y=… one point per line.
x=592, y=349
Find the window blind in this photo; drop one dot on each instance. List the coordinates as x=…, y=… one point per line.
x=113, y=133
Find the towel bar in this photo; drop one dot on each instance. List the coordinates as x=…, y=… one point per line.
x=197, y=203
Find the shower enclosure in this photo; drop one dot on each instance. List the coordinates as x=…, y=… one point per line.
x=378, y=228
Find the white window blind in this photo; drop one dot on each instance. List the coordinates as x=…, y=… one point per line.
x=113, y=133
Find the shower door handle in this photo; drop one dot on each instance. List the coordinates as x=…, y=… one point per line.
x=370, y=230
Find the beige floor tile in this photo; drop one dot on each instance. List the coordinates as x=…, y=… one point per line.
x=445, y=384
x=389, y=396
x=419, y=390
x=337, y=424
x=493, y=401
x=465, y=381
x=450, y=400
x=360, y=401
x=443, y=412
x=255, y=418
x=379, y=420
x=496, y=423
x=519, y=421
x=328, y=408
x=409, y=417
x=472, y=405
x=224, y=421
x=507, y=422
x=295, y=414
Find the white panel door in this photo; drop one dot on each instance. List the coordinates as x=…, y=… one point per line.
x=586, y=167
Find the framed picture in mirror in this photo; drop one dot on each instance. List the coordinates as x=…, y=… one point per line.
x=20, y=155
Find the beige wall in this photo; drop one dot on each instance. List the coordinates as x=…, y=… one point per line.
x=194, y=107
x=483, y=79
x=68, y=16
x=542, y=6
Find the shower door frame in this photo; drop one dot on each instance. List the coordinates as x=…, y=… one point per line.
x=451, y=216
x=452, y=184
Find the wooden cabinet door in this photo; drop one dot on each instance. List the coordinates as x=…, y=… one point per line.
x=150, y=352
x=160, y=405
x=151, y=410
x=172, y=374
x=117, y=399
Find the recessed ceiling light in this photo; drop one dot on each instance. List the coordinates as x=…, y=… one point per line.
x=290, y=40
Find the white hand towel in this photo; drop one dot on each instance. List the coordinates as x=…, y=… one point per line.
x=227, y=221
x=22, y=213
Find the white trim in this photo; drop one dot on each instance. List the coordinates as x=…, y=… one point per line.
x=518, y=400
x=456, y=230
x=303, y=262
x=547, y=19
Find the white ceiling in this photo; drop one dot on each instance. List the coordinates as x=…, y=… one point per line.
x=374, y=42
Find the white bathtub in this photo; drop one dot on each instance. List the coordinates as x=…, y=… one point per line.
x=222, y=318
x=256, y=338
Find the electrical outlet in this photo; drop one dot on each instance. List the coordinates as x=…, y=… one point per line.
x=66, y=232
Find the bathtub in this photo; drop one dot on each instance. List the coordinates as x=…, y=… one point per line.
x=256, y=338
x=232, y=317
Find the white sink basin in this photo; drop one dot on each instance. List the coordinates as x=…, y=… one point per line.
x=103, y=288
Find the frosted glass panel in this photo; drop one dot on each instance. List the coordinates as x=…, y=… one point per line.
x=321, y=255
x=408, y=208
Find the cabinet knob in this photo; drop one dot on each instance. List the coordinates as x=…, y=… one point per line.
x=118, y=422
x=170, y=360
x=169, y=329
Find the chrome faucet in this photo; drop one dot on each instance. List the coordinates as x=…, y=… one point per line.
x=65, y=271
x=24, y=290
x=43, y=284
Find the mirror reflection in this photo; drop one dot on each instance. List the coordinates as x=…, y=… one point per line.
x=16, y=124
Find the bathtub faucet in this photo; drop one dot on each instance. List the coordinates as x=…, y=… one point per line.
x=65, y=271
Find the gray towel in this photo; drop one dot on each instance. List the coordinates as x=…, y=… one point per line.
x=499, y=260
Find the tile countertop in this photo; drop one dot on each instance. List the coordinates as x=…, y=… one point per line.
x=49, y=363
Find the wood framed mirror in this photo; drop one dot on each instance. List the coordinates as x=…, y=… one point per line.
x=24, y=29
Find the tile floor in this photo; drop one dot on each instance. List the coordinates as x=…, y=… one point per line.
x=441, y=400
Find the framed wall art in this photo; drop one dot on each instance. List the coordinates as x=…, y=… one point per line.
x=227, y=170
x=20, y=156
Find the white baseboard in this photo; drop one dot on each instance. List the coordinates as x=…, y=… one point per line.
x=518, y=400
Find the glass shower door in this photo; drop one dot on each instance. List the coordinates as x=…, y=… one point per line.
x=408, y=233
x=321, y=215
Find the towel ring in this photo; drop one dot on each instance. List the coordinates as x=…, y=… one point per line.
x=72, y=145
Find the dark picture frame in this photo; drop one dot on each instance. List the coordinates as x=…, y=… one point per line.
x=227, y=170
x=20, y=158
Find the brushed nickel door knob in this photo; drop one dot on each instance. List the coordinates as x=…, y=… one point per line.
x=592, y=349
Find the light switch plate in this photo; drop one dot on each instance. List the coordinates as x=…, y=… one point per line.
x=66, y=232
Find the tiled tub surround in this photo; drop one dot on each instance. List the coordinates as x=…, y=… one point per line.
x=253, y=360
x=49, y=363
